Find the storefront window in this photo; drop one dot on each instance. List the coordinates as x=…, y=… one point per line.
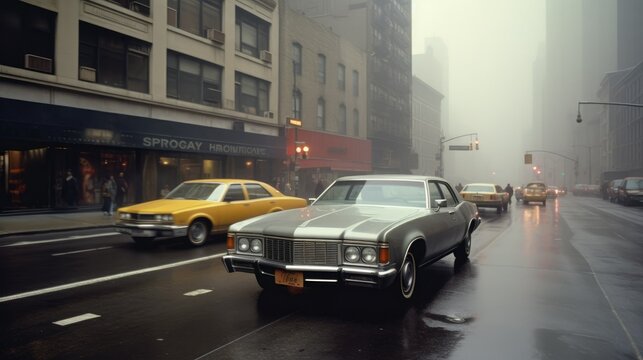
x=163, y=172
x=26, y=185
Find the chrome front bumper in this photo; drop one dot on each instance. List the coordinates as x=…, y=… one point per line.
x=151, y=230
x=314, y=274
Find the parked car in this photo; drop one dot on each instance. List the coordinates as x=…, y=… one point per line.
x=486, y=195
x=535, y=192
x=612, y=189
x=197, y=208
x=631, y=191
x=371, y=230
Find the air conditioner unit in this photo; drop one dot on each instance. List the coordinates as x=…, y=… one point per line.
x=265, y=56
x=38, y=63
x=171, y=16
x=87, y=74
x=215, y=35
x=268, y=114
x=139, y=7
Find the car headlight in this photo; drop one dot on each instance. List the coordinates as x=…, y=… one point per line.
x=125, y=216
x=351, y=254
x=369, y=255
x=244, y=244
x=256, y=246
x=163, y=217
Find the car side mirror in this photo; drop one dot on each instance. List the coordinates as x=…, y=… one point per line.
x=441, y=203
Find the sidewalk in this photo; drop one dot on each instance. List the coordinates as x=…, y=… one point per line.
x=39, y=223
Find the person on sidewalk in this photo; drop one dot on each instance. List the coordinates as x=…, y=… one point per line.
x=121, y=190
x=70, y=190
x=108, y=193
x=510, y=191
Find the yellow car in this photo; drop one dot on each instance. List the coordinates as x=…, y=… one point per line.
x=535, y=192
x=197, y=208
x=486, y=195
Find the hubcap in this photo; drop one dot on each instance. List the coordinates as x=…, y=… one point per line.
x=197, y=232
x=407, y=275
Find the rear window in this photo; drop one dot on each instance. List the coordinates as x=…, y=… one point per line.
x=536, y=186
x=479, y=188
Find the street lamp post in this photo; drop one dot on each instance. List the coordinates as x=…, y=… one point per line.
x=442, y=141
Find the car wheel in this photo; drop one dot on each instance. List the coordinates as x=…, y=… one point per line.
x=266, y=282
x=407, y=276
x=545, y=203
x=198, y=232
x=143, y=241
x=464, y=249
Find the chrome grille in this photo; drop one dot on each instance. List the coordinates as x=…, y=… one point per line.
x=299, y=252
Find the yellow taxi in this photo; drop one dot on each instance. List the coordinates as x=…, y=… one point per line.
x=535, y=192
x=486, y=195
x=197, y=208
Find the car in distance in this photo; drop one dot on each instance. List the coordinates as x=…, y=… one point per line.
x=518, y=193
x=631, y=191
x=535, y=192
x=486, y=195
x=197, y=208
x=612, y=189
x=552, y=191
x=371, y=231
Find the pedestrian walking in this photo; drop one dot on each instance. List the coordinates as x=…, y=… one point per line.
x=70, y=189
x=121, y=190
x=510, y=191
x=108, y=193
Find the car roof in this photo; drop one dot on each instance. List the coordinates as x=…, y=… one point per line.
x=486, y=184
x=389, y=177
x=633, y=178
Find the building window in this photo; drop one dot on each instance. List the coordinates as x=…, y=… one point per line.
x=252, y=94
x=355, y=83
x=321, y=114
x=139, y=6
x=321, y=68
x=341, y=77
x=355, y=122
x=296, y=104
x=193, y=80
x=296, y=58
x=251, y=33
x=341, y=124
x=28, y=37
x=113, y=59
x=195, y=16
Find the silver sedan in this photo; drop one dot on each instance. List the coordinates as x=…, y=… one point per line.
x=372, y=230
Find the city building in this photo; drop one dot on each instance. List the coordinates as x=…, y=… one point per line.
x=322, y=87
x=382, y=29
x=162, y=91
x=426, y=138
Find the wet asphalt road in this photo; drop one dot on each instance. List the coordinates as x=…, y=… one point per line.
x=556, y=282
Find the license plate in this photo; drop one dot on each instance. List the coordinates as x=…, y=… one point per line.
x=140, y=232
x=289, y=278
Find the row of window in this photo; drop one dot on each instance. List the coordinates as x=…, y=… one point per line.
x=342, y=124
x=297, y=63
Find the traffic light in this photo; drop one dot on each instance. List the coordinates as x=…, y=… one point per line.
x=477, y=144
x=302, y=150
x=470, y=146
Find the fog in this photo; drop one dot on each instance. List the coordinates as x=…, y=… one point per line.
x=492, y=46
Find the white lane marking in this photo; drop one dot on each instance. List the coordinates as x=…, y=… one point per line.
x=621, y=236
x=74, y=237
x=105, y=278
x=82, y=251
x=75, y=319
x=197, y=292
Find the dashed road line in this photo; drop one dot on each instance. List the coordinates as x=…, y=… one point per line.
x=82, y=251
x=76, y=319
x=74, y=237
x=197, y=292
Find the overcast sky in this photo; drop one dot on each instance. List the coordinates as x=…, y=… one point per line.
x=492, y=45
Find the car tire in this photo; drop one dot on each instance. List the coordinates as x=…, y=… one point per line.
x=266, y=282
x=545, y=203
x=198, y=232
x=464, y=249
x=143, y=241
x=407, y=276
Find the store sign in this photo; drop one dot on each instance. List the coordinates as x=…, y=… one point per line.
x=165, y=143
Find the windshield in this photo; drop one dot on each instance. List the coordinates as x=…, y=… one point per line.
x=197, y=191
x=376, y=192
x=536, y=186
x=634, y=184
x=479, y=188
